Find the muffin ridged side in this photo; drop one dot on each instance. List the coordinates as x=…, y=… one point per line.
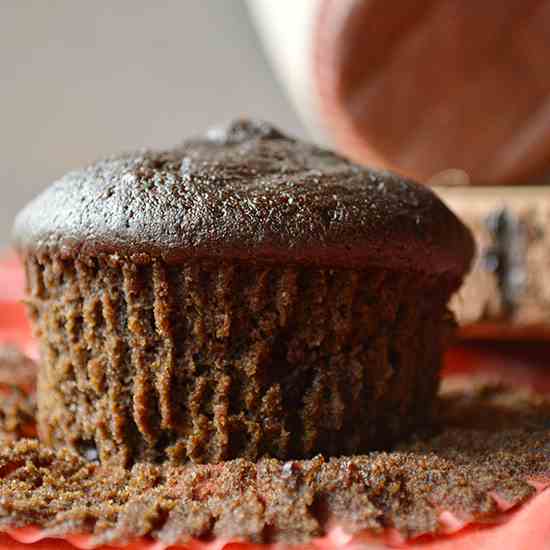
x=208, y=361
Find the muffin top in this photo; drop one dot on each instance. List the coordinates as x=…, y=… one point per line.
x=245, y=192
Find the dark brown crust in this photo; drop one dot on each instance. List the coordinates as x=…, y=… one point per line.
x=247, y=192
x=490, y=441
x=206, y=361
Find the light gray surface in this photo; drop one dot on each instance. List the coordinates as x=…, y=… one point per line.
x=80, y=80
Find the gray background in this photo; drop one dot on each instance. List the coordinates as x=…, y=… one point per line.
x=83, y=79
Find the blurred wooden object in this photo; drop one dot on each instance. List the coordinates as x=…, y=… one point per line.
x=507, y=293
x=423, y=85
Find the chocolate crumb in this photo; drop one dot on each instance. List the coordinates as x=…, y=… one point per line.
x=490, y=440
x=16, y=368
x=17, y=398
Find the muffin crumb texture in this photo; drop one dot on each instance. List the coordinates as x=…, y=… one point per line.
x=490, y=441
x=207, y=362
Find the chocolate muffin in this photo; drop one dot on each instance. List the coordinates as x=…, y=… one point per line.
x=242, y=295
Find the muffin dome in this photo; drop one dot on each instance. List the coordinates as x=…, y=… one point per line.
x=247, y=192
